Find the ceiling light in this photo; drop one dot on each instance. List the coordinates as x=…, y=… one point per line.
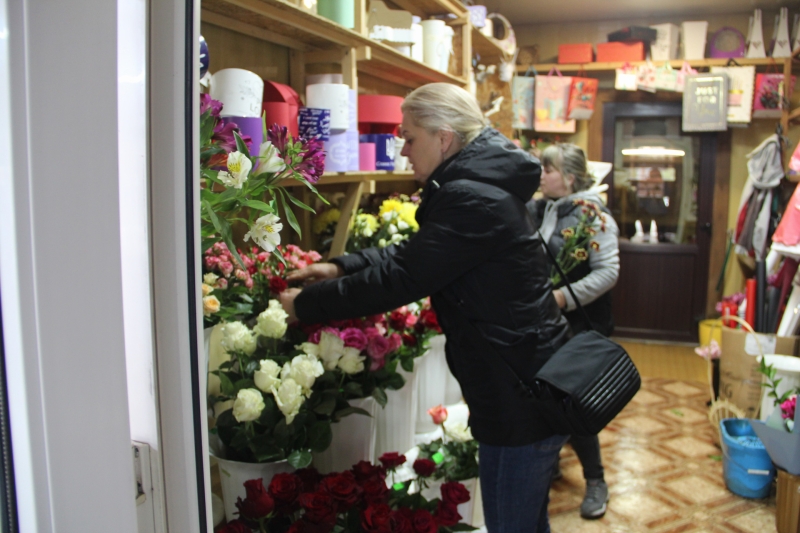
x=653, y=151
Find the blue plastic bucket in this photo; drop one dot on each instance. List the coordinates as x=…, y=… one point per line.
x=746, y=466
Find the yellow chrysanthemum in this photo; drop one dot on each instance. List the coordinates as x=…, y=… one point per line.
x=325, y=219
x=407, y=213
x=391, y=204
x=365, y=225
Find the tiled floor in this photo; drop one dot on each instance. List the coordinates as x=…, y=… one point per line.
x=663, y=471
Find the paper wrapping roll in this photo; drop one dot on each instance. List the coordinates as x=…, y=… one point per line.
x=379, y=109
x=341, y=11
x=384, y=149
x=240, y=92
x=336, y=153
x=353, y=158
x=333, y=96
x=432, y=42
x=366, y=156
x=416, y=34
x=313, y=79
x=250, y=126
x=314, y=123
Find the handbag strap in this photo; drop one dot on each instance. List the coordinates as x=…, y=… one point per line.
x=564, y=277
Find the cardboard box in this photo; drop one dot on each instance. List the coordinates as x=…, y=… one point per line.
x=665, y=47
x=740, y=380
x=575, y=53
x=619, y=52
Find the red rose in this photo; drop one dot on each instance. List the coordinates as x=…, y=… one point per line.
x=343, y=488
x=391, y=460
x=365, y=471
x=320, y=507
x=402, y=521
x=397, y=320
x=428, y=318
x=409, y=340
x=277, y=285
x=258, y=503
x=375, y=491
x=455, y=493
x=424, y=467
x=285, y=488
x=235, y=526
x=310, y=478
x=395, y=342
x=447, y=514
x=375, y=519
x=424, y=522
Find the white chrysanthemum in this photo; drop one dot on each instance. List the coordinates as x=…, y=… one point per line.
x=236, y=337
x=392, y=229
x=272, y=321
x=269, y=160
x=402, y=225
x=397, y=237
x=248, y=405
x=266, y=377
x=266, y=232
x=304, y=369
x=331, y=349
x=457, y=431
x=351, y=362
x=289, y=397
x=239, y=166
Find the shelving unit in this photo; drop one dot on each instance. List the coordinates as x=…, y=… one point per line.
x=338, y=178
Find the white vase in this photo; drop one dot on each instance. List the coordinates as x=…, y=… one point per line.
x=233, y=474
x=397, y=422
x=432, y=375
x=353, y=440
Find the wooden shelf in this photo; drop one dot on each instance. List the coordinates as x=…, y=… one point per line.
x=336, y=178
x=429, y=8
x=485, y=47
x=288, y=25
x=676, y=64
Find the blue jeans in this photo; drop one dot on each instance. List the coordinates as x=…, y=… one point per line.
x=515, y=482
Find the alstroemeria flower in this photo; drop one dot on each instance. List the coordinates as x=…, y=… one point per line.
x=266, y=232
x=239, y=167
x=269, y=160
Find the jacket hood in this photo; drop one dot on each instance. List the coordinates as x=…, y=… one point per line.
x=491, y=158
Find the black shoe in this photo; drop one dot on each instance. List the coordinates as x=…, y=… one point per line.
x=595, y=501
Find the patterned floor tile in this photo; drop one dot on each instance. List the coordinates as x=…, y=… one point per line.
x=641, y=424
x=687, y=415
x=681, y=389
x=692, y=447
x=760, y=520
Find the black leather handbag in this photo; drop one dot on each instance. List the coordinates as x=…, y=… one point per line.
x=584, y=385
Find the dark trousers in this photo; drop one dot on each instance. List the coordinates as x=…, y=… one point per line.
x=588, y=451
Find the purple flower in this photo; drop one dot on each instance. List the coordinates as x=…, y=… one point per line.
x=354, y=338
x=206, y=103
x=278, y=136
x=312, y=166
x=223, y=134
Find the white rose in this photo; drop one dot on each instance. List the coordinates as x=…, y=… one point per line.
x=413, y=307
x=248, y=405
x=331, y=349
x=458, y=431
x=304, y=370
x=266, y=377
x=289, y=397
x=309, y=348
x=236, y=337
x=210, y=279
x=272, y=321
x=239, y=166
x=351, y=362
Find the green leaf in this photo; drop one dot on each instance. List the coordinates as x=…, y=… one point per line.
x=240, y=145
x=300, y=459
x=351, y=411
x=320, y=436
x=226, y=385
x=258, y=204
x=395, y=382
x=290, y=218
x=299, y=204
x=327, y=405
x=461, y=527
x=407, y=363
x=354, y=389
x=380, y=396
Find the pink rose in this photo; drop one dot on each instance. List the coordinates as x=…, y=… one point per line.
x=313, y=257
x=354, y=338
x=372, y=332
x=263, y=257
x=315, y=337
x=378, y=346
x=247, y=261
x=438, y=414
x=395, y=342
x=241, y=274
x=248, y=282
x=211, y=261
x=222, y=283
x=226, y=268
x=788, y=408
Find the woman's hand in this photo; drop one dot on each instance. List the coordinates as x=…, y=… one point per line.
x=560, y=300
x=315, y=273
x=287, y=301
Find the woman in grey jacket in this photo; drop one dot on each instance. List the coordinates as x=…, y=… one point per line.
x=565, y=179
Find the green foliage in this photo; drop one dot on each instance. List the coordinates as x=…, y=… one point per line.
x=459, y=460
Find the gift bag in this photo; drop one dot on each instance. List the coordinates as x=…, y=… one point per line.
x=741, y=81
x=680, y=76
x=769, y=95
x=646, y=77
x=552, y=97
x=582, y=94
x=522, y=102
x=794, y=163
x=626, y=78
x=666, y=78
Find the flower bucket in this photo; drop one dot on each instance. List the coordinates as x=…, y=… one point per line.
x=787, y=369
x=431, y=373
x=397, y=422
x=233, y=474
x=783, y=447
x=354, y=439
x=746, y=466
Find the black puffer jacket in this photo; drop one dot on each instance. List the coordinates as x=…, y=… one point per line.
x=476, y=249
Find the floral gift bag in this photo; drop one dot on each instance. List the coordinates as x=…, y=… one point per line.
x=552, y=99
x=626, y=78
x=522, y=102
x=582, y=94
x=646, y=77
x=769, y=96
x=666, y=78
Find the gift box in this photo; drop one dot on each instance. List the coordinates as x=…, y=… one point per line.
x=281, y=104
x=665, y=47
x=575, y=53
x=620, y=52
x=633, y=33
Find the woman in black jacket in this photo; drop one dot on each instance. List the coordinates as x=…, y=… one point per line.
x=477, y=256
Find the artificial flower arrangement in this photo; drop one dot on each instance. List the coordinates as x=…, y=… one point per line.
x=236, y=182
x=360, y=500
x=578, y=239
x=456, y=453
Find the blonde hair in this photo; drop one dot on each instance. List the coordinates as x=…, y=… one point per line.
x=570, y=160
x=442, y=106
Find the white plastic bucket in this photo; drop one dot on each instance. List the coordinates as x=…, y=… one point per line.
x=233, y=474
x=787, y=369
